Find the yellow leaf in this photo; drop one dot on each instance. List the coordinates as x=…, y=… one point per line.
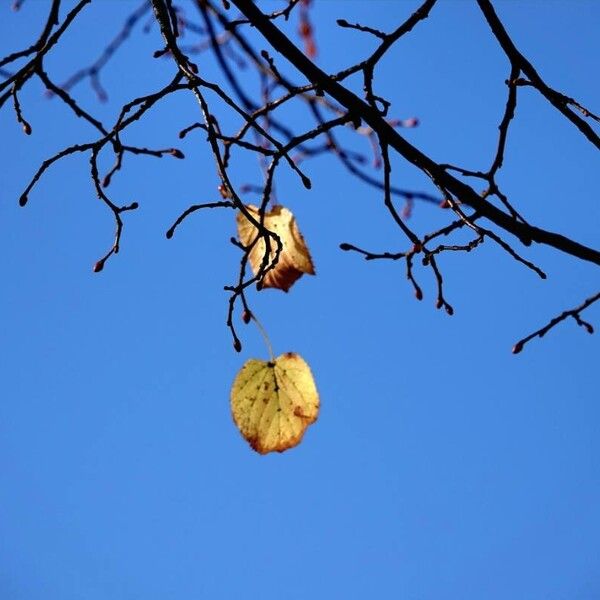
x=273, y=403
x=294, y=259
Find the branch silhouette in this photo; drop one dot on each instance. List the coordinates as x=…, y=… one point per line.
x=275, y=141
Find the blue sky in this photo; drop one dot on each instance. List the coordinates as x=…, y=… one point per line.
x=441, y=466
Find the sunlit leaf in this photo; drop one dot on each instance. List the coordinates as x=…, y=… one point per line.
x=294, y=259
x=273, y=403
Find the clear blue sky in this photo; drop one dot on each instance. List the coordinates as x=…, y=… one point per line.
x=441, y=467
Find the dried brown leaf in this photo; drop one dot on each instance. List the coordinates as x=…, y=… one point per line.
x=294, y=259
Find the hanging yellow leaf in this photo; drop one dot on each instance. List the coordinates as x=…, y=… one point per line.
x=294, y=259
x=273, y=403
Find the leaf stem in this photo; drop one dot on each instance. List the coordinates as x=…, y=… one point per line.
x=263, y=332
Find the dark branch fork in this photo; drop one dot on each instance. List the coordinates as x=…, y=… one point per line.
x=456, y=190
x=331, y=105
x=574, y=313
x=558, y=100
